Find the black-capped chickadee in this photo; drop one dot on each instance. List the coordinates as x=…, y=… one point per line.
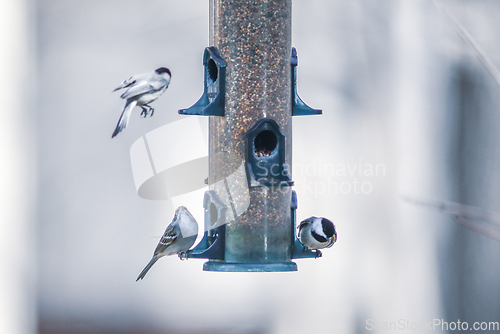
x=142, y=89
x=316, y=233
x=179, y=236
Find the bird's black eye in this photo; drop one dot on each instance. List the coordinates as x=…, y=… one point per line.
x=328, y=227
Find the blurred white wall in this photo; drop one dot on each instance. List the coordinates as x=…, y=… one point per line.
x=18, y=240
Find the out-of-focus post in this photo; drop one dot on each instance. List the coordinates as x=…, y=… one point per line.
x=17, y=191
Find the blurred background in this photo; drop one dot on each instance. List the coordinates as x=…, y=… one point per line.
x=408, y=137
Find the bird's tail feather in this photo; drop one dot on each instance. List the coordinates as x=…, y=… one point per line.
x=148, y=266
x=125, y=116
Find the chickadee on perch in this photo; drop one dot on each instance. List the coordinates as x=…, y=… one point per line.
x=317, y=233
x=142, y=89
x=179, y=236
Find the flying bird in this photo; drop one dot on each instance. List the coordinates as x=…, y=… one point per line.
x=142, y=89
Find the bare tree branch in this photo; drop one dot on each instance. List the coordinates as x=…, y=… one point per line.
x=477, y=228
x=458, y=209
x=467, y=38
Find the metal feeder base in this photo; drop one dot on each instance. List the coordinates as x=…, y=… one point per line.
x=249, y=267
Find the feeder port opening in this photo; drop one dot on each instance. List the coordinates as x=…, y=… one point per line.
x=212, y=70
x=265, y=143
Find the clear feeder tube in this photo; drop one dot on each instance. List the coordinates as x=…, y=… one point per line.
x=254, y=38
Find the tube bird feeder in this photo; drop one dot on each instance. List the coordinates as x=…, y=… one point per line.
x=250, y=96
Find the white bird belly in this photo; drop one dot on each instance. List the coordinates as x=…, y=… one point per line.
x=149, y=97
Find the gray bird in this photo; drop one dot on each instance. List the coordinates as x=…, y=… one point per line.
x=179, y=236
x=317, y=233
x=142, y=89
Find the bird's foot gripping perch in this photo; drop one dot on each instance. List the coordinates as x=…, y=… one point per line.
x=318, y=254
x=183, y=255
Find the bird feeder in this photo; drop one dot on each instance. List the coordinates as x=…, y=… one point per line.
x=250, y=95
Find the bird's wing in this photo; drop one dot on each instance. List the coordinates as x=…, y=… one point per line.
x=304, y=223
x=132, y=80
x=169, y=237
x=145, y=86
x=125, y=83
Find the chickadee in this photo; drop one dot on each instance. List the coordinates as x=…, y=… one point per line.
x=142, y=90
x=316, y=233
x=179, y=236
